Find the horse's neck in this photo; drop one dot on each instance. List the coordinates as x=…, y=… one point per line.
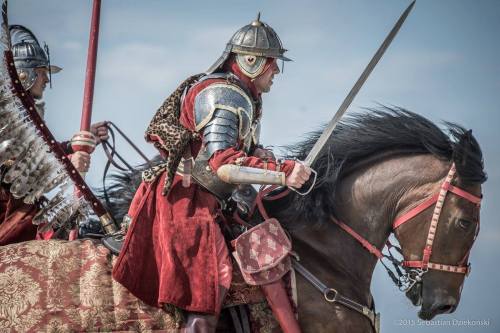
x=367, y=200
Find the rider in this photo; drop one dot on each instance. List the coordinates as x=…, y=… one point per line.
x=34, y=71
x=175, y=253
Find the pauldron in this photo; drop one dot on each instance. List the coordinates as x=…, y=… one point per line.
x=225, y=113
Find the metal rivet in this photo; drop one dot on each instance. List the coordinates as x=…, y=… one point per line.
x=83, y=186
x=52, y=141
x=73, y=171
x=95, y=203
x=41, y=125
x=31, y=108
x=17, y=81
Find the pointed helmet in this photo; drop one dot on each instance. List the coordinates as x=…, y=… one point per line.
x=28, y=55
x=252, y=45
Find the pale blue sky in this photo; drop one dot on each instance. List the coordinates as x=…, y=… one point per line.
x=444, y=64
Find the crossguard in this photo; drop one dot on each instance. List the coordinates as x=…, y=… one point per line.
x=310, y=188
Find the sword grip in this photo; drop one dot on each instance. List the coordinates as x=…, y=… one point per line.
x=315, y=177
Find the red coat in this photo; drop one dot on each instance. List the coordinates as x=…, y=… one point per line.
x=15, y=219
x=169, y=253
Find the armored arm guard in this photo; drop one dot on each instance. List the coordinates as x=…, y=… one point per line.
x=236, y=174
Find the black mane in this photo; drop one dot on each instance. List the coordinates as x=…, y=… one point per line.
x=373, y=132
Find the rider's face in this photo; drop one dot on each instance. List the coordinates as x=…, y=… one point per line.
x=264, y=81
x=40, y=82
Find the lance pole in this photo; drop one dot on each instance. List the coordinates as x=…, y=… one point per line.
x=88, y=93
x=84, y=140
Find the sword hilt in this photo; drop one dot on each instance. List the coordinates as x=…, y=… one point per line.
x=315, y=173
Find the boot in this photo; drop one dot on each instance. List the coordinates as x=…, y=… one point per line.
x=204, y=323
x=200, y=323
x=280, y=304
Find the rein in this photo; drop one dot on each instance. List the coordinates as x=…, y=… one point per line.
x=110, y=152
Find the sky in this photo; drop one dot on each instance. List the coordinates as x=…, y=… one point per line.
x=444, y=64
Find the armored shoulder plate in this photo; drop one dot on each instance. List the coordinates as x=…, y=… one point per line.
x=228, y=97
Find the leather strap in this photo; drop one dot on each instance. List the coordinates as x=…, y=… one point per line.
x=331, y=295
x=366, y=244
x=462, y=193
x=414, y=211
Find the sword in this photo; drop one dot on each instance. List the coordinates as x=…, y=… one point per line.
x=328, y=131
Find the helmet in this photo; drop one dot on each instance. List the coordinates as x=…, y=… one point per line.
x=252, y=44
x=28, y=55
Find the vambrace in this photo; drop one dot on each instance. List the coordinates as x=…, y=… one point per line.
x=221, y=132
x=236, y=174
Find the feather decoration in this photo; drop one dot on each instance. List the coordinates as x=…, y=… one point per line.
x=35, y=169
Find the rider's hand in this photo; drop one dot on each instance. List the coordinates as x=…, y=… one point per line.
x=81, y=161
x=300, y=174
x=100, y=131
x=263, y=153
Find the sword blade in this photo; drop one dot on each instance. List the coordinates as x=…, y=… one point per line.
x=327, y=133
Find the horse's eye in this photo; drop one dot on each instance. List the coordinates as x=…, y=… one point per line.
x=464, y=224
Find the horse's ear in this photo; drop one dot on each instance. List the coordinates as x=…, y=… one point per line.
x=468, y=158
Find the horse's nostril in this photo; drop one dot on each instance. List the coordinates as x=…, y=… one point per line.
x=445, y=308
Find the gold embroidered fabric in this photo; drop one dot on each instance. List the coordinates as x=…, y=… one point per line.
x=62, y=286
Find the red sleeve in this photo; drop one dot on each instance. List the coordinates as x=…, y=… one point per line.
x=234, y=156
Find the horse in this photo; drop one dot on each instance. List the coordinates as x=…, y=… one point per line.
x=379, y=166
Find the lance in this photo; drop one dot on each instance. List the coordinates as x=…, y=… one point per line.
x=84, y=140
x=88, y=93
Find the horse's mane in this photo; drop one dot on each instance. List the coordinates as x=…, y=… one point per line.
x=355, y=139
x=379, y=131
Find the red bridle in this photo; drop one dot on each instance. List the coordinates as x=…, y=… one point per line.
x=438, y=199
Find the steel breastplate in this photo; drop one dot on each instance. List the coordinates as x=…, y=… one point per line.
x=202, y=173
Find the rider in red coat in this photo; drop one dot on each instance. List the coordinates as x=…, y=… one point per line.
x=174, y=252
x=34, y=69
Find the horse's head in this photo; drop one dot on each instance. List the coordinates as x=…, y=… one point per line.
x=437, y=240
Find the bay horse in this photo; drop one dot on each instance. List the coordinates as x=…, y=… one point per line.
x=381, y=166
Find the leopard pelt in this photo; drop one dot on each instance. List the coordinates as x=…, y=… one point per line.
x=174, y=138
